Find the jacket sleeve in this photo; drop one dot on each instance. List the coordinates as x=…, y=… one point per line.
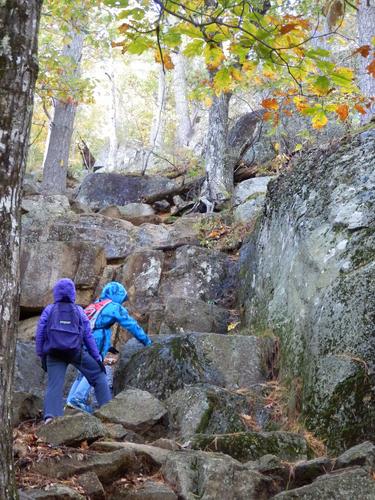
x=126, y=321
x=40, y=334
x=88, y=338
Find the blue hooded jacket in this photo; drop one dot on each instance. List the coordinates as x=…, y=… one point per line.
x=113, y=313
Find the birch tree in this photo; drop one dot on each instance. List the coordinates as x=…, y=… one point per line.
x=19, y=21
x=55, y=165
x=184, y=126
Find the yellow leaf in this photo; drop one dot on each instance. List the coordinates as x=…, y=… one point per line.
x=232, y=326
x=319, y=120
x=300, y=103
x=236, y=74
x=208, y=101
x=297, y=147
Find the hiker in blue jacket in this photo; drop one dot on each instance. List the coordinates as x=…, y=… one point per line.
x=103, y=314
x=64, y=337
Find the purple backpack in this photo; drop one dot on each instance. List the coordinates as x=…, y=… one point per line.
x=64, y=330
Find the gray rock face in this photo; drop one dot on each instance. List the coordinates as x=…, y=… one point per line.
x=150, y=490
x=363, y=454
x=72, y=430
x=199, y=273
x=104, y=189
x=346, y=484
x=184, y=315
x=134, y=409
x=309, y=276
x=245, y=446
x=43, y=207
x=230, y=361
x=249, y=211
x=206, y=409
x=211, y=476
x=251, y=188
x=43, y=263
x=29, y=376
x=53, y=492
x=26, y=406
x=27, y=329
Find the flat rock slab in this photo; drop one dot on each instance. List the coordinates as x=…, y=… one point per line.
x=135, y=409
x=206, y=409
x=154, y=453
x=363, y=454
x=345, y=485
x=107, y=466
x=72, y=430
x=245, y=446
x=150, y=490
x=232, y=361
x=92, y=486
x=52, y=492
x=213, y=476
x=103, y=189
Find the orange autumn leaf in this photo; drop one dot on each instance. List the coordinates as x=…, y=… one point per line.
x=288, y=27
x=371, y=68
x=123, y=28
x=267, y=115
x=360, y=109
x=343, y=111
x=270, y=104
x=364, y=50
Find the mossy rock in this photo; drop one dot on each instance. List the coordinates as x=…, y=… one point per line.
x=245, y=446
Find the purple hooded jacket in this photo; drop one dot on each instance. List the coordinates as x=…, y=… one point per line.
x=65, y=291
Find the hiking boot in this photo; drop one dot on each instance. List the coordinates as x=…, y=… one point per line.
x=79, y=405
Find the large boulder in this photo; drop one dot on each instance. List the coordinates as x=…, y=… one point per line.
x=103, y=189
x=184, y=315
x=199, y=273
x=150, y=490
x=348, y=484
x=231, y=361
x=43, y=207
x=29, y=377
x=250, y=445
x=43, y=263
x=72, y=430
x=251, y=188
x=27, y=329
x=136, y=410
x=211, y=476
x=309, y=275
x=51, y=492
x=25, y=406
x=206, y=409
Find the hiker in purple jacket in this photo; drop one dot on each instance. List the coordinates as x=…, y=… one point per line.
x=62, y=331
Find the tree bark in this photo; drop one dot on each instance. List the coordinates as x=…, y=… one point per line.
x=55, y=166
x=113, y=141
x=218, y=186
x=157, y=128
x=184, y=127
x=366, y=31
x=19, y=22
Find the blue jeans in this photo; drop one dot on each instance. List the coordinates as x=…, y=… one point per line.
x=56, y=369
x=81, y=388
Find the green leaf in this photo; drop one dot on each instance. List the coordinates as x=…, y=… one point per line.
x=138, y=46
x=194, y=48
x=172, y=39
x=222, y=80
x=321, y=85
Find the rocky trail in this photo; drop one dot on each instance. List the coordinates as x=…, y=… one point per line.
x=206, y=411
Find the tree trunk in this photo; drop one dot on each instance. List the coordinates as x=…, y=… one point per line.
x=218, y=186
x=55, y=167
x=366, y=31
x=157, y=128
x=113, y=142
x=19, y=22
x=184, y=127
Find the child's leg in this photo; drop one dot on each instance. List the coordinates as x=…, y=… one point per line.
x=53, y=401
x=74, y=386
x=91, y=370
x=81, y=390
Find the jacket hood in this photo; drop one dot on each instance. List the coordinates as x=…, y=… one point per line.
x=64, y=291
x=115, y=292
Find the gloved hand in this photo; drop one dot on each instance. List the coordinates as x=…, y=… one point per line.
x=43, y=361
x=101, y=364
